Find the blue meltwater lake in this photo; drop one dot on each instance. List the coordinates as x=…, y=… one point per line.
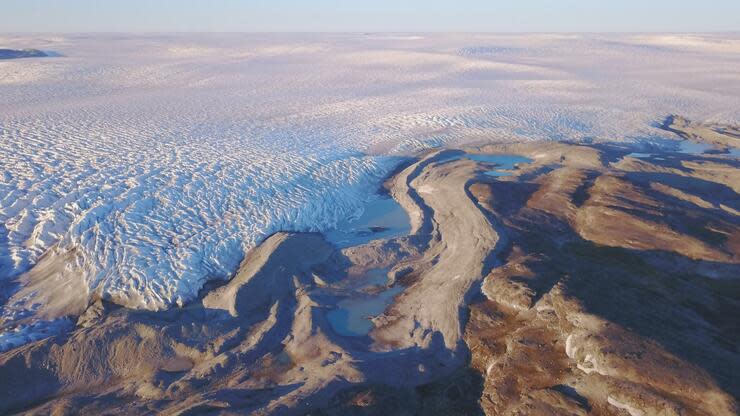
x=382, y=218
x=352, y=316
x=503, y=163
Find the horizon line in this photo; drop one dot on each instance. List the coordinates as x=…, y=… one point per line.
x=734, y=31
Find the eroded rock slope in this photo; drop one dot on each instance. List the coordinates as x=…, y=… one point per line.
x=592, y=280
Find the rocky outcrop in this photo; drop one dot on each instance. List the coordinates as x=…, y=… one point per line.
x=609, y=299
x=587, y=282
x=719, y=136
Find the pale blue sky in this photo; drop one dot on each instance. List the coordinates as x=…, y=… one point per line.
x=371, y=15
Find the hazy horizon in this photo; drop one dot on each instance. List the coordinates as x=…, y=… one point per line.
x=385, y=32
x=329, y=16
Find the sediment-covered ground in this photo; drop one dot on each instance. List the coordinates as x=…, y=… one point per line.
x=588, y=279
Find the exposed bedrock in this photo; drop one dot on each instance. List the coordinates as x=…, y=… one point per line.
x=589, y=281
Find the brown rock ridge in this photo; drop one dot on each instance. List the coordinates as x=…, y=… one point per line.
x=722, y=137
x=616, y=297
x=588, y=282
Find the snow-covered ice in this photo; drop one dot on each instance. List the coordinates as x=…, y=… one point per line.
x=158, y=160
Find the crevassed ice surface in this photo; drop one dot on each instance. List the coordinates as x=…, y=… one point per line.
x=158, y=160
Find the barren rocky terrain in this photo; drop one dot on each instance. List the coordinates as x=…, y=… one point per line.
x=591, y=280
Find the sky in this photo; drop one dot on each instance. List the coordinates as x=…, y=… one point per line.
x=375, y=15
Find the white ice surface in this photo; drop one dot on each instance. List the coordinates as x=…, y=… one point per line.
x=160, y=159
x=21, y=335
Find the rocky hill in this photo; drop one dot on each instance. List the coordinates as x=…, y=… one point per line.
x=590, y=279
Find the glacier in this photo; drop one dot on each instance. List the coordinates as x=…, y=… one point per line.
x=149, y=164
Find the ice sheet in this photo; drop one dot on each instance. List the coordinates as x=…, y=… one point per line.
x=159, y=159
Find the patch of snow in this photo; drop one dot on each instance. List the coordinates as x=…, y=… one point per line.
x=426, y=189
x=633, y=411
x=570, y=348
x=489, y=368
